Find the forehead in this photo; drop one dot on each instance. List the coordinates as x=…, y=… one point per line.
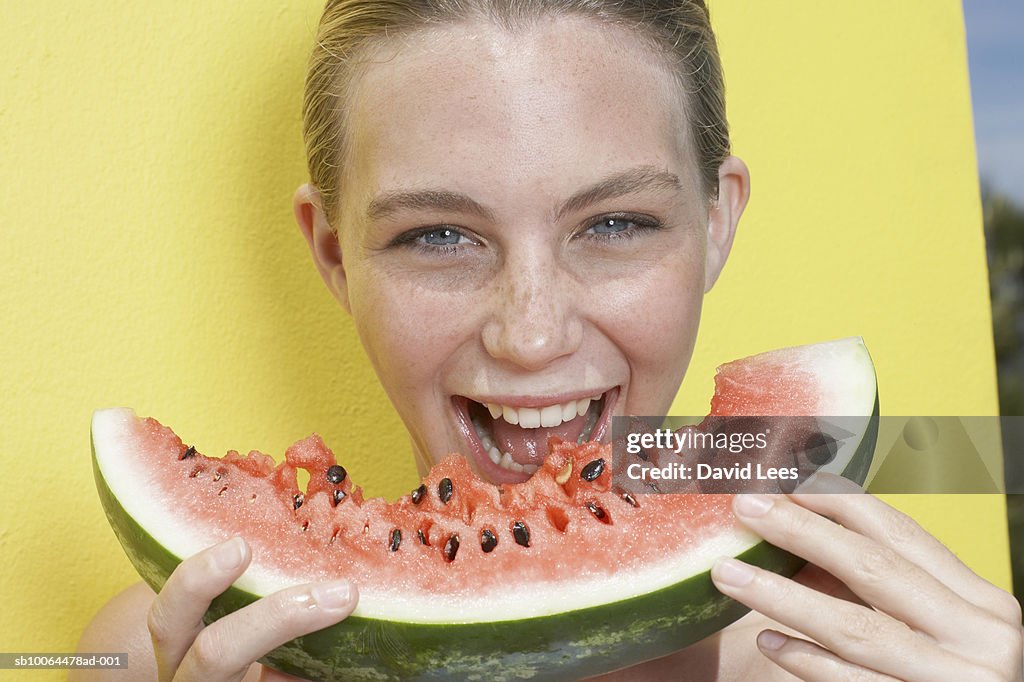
x=531, y=112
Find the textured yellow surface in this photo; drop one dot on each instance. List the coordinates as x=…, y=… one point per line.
x=149, y=153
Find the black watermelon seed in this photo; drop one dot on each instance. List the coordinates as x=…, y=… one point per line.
x=488, y=540
x=596, y=510
x=422, y=537
x=521, y=533
x=336, y=474
x=396, y=540
x=444, y=490
x=451, y=548
x=339, y=495
x=629, y=498
x=297, y=500
x=417, y=495
x=190, y=451
x=592, y=470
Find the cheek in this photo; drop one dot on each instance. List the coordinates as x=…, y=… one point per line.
x=653, y=319
x=408, y=332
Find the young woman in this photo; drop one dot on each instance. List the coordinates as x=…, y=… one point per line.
x=521, y=203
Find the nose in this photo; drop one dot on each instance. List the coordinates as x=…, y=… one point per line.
x=535, y=317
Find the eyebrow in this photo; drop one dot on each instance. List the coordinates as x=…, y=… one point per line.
x=631, y=181
x=388, y=203
x=641, y=178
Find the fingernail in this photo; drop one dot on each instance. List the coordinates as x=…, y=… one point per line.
x=753, y=505
x=732, y=572
x=230, y=554
x=771, y=640
x=332, y=595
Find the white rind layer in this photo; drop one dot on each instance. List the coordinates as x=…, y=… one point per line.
x=844, y=367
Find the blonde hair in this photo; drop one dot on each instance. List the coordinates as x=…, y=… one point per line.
x=679, y=29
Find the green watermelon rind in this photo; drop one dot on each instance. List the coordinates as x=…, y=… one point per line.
x=568, y=645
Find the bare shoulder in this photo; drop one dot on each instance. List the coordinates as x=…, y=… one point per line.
x=120, y=627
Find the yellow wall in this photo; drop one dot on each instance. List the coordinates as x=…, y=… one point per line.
x=149, y=152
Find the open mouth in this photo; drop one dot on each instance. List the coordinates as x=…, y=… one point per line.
x=510, y=442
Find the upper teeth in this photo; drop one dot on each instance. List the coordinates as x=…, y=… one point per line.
x=535, y=417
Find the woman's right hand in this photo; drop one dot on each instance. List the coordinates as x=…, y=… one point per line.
x=223, y=651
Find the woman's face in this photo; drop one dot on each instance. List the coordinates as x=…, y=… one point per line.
x=522, y=240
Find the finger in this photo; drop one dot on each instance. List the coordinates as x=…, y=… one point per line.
x=877, y=574
x=869, y=516
x=854, y=633
x=176, y=616
x=224, y=650
x=812, y=663
x=821, y=580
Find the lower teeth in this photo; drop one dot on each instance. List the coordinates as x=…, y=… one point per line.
x=505, y=461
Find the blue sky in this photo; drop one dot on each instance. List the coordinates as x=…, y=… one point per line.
x=995, y=47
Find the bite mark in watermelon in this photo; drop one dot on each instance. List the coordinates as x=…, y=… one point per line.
x=560, y=577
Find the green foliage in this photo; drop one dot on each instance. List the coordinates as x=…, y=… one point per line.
x=1004, y=234
x=1004, y=237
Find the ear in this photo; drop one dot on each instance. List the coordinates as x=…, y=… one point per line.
x=322, y=240
x=724, y=216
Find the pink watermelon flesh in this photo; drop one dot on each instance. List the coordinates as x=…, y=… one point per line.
x=597, y=530
x=789, y=382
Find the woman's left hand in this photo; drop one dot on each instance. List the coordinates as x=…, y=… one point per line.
x=900, y=606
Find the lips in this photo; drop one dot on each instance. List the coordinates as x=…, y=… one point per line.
x=508, y=441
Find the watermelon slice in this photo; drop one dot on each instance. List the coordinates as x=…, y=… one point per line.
x=560, y=577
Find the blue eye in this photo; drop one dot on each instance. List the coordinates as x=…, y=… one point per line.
x=441, y=236
x=435, y=240
x=611, y=226
x=620, y=226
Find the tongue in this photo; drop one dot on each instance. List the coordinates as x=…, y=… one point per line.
x=530, y=446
